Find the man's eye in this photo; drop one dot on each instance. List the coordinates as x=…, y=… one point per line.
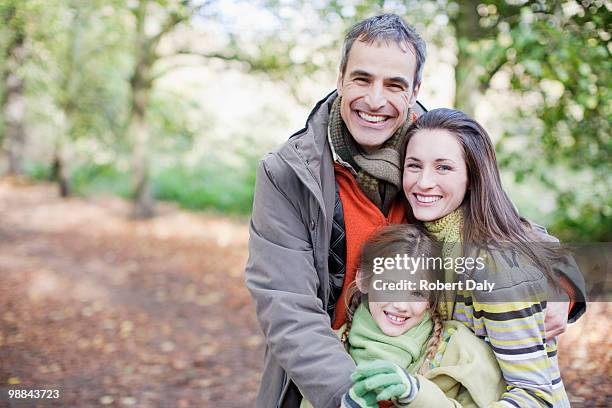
x=361, y=80
x=397, y=88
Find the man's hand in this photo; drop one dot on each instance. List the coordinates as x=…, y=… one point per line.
x=555, y=318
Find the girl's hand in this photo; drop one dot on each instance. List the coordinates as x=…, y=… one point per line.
x=353, y=399
x=387, y=380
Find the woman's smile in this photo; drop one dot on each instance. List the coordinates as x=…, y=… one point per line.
x=426, y=199
x=435, y=174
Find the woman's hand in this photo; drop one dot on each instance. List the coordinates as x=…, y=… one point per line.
x=387, y=380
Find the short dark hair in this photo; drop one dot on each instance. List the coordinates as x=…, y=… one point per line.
x=386, y=27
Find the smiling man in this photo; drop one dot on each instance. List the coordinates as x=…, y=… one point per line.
x=318, y=198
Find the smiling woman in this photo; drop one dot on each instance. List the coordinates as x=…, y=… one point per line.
x=452, y=183
x=435, y=174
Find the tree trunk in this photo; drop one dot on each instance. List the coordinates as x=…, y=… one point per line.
x=13, y=107
x=467, y=29
x=138, y=133
x=60, y=171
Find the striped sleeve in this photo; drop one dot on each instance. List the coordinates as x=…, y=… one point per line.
x=516, y=333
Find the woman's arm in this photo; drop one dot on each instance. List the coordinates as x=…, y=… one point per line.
x=516, y=333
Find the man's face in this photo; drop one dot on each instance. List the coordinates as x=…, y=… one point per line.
x=377, y=90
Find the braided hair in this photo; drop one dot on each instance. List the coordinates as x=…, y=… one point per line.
x=413, y=241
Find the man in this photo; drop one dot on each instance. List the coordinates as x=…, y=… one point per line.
x=318, y=198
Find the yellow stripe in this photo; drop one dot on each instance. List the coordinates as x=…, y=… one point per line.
x=531, y=367
x=519, y=397
x=480, y=325
x=525, y=341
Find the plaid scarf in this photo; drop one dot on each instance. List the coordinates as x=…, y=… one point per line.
x=379, y=173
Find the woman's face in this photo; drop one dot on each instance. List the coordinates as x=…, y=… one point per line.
x=435, y=174
x=396, y=318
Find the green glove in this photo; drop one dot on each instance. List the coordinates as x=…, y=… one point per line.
x=354, y=400
x=387, y=380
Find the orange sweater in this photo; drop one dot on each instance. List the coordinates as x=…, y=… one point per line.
x=361, y=218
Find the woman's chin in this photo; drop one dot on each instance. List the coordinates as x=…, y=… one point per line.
x=425, y=215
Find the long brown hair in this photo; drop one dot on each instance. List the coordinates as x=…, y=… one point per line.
x=489, y=215
x=413, y=241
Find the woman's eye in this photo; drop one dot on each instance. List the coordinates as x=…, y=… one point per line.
x=444, y=168
x=412, y=166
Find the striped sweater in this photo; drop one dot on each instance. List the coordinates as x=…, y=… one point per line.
x=510, y=318
x=514, y=328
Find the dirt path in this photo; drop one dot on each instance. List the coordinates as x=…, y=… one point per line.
x=155, y=314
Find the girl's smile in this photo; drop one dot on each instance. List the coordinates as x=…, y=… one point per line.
x=396, y=318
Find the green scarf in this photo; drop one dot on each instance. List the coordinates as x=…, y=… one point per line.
x=379, y=173
x=448, y=230
x=366, y=342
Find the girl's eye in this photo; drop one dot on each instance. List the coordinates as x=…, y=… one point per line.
x=413, y=166
x=418, y=294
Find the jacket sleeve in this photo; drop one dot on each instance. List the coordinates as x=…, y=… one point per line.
x=283, y=281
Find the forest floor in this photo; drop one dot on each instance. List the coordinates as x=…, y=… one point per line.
x=116, y=312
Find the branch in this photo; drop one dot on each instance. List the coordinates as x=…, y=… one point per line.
x=213, y=55
x=491, y=73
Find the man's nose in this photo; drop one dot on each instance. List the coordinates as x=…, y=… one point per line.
x=375, y=98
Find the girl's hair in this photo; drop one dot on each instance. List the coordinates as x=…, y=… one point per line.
x=489, y=215
x=402, y=239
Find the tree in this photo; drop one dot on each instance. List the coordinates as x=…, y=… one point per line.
x=557, y=56
x=74, y=59
x=13, y=37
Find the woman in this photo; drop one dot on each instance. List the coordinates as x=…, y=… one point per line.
x=452, y=184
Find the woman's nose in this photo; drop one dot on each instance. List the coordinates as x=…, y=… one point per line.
x=426, y=180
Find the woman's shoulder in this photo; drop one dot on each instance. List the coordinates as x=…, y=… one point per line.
x=507, y=275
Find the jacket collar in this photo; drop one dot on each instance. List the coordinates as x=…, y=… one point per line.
x=309, y=155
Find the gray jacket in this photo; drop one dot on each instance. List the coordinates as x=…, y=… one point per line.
x=287, y=272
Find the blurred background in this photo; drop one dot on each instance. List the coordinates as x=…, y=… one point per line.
x=130, y=131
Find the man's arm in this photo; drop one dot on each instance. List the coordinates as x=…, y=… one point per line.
x=283, y=281
x=558, y=314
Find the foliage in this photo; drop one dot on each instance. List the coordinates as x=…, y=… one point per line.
x=552, y=57
x=557, y=56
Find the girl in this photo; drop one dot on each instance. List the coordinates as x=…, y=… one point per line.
x=452, y=184
x=424, y=362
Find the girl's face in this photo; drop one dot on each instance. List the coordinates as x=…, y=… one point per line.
x=435, y=174
x=396, y=318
